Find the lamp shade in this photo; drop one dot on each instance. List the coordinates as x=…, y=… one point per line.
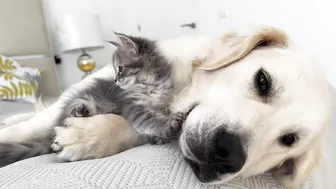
x=79, y=31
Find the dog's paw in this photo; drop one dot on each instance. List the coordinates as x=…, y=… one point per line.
x=69, y=143
x=83, y=138
x=81, y=110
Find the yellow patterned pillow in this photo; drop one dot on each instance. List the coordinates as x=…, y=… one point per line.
x=12, y=66
x=7, y=65
x=18, y=82
x=15, y=88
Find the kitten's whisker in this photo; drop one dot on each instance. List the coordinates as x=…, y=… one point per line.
x=114, y=86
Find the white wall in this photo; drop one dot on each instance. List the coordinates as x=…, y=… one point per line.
x=308, y=22
x=122, y=16
x=160, y=22
x=111, y=19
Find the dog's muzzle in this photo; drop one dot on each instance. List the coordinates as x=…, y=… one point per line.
x=215, y=156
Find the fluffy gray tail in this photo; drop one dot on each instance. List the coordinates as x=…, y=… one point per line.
x=12, y=152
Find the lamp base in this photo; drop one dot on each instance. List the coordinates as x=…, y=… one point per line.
x=86, y=63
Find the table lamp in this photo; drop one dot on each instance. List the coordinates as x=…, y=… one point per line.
x=80, y=32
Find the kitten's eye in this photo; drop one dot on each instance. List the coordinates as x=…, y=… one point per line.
x=119, y=78
x=288, y=139
x=262, y=83
x=120, y=69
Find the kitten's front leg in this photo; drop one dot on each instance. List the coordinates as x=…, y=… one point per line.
x=174, y=125
x=170, y=130
x=157, y=127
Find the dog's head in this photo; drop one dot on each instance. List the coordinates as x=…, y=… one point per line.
x=264, y=105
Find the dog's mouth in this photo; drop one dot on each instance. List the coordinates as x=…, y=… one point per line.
x=208, y=173
x=204, y=172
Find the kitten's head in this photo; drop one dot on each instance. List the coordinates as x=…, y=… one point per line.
x=126, y=60
x=133, y=59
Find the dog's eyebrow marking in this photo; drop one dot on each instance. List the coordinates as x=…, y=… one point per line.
x=297, y=129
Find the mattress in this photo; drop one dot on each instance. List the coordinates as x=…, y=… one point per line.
x=144, y=167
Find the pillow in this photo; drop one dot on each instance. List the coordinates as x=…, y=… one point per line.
x=18, y=82
x=15, y=88
x=9, y=65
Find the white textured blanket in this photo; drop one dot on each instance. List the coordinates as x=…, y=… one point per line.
x=152, y=167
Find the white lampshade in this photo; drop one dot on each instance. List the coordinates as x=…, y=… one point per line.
x=79, y=31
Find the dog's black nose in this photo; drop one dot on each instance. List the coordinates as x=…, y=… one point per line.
x=229, y=156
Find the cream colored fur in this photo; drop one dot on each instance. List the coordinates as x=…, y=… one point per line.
x=93, y=137
x=218, y=73
x=223, y=84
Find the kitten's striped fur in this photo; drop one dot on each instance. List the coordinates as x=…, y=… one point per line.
x=141, y=93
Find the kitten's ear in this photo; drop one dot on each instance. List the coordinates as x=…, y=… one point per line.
x=127, y=44
x=127, y=53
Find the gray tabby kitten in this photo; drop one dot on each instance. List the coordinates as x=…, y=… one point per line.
x=141, y=92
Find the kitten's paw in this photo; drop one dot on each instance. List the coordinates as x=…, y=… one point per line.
x=175, y=125
x=81, y=110
x=171, y=131
x=177, y=121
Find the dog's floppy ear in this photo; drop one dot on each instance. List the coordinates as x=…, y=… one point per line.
x=233, y=47
x=295, y=171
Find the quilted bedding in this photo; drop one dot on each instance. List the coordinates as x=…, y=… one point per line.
x=144, y=167
x=9, y=108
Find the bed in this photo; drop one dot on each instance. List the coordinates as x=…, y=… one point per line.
x=144, y=167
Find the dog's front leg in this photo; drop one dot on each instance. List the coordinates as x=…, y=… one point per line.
x=81, y=139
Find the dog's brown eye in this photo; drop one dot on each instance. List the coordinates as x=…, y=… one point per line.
x=288, y=139
x=262, y=83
